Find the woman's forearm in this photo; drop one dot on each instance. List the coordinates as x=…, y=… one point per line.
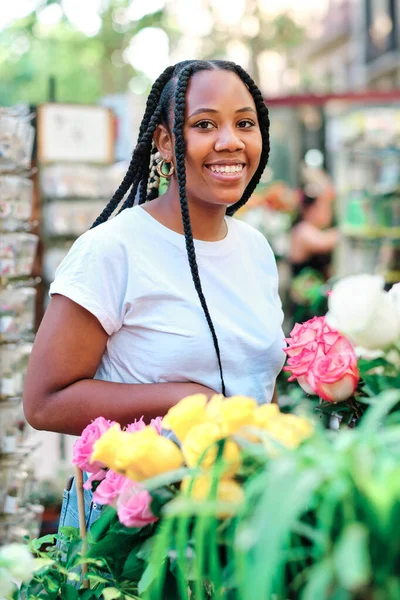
x=69, y=410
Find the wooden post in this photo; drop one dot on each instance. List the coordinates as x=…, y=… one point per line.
x=82, y=520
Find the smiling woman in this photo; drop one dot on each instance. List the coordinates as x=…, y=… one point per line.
x=173, y=296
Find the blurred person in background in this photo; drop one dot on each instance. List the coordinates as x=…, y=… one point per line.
x=312, y=241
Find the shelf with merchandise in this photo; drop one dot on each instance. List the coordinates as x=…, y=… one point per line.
x=371, y=232
x=364, y=145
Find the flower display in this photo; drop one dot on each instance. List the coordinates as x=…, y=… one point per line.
x=211, y=440
x=83, y=447
x=322, y=360
x=360, y=309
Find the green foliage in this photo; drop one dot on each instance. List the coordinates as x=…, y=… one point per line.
x=318, y=522
x=84, y=68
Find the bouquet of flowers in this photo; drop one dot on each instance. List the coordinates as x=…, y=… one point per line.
x=201, y=454
x=352, y=354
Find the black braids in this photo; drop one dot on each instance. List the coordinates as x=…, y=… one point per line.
x=145, y=178
x=180, y=106
x=130, y=200
x=129, y=179
x=262, y=111
x=154, y=98
x=142, y=152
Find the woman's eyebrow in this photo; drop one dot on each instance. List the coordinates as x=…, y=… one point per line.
x=213, y=110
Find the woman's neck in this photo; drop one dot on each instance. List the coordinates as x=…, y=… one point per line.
x=207, y=221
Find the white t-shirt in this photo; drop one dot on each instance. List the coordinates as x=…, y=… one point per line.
x=133, y=274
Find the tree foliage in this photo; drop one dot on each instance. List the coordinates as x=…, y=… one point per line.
x=84, y=68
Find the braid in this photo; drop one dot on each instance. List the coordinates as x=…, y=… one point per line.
x=153, y=183
x=137, y=156
x=262, y=112
x=180, y=105
x=142, y=150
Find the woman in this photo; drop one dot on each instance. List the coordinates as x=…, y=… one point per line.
x=312, y=242
x=130, y=329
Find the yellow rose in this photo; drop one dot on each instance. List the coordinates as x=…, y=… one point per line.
x=201, y=444
x=288, y=430
x=213, y=408
x=146, y=454
x=227, y=491
x=188, y=412
x=264, y=413
x=237, y=412
x=302, y=426
x=106, y=447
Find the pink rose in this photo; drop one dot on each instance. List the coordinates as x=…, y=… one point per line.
x=83, y=446
x=322, y=360
x=304, y=333
x=333, y=376
x=111, y=488
x=136, y=426
x=299, y=364
x=98, y=476
x=157, y=424
x=134, y=507
x=140, y=424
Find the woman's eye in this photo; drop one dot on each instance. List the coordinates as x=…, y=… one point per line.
x=204, y=125
x=246, y=123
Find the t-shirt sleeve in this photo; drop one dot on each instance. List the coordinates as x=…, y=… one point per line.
x=93, y=274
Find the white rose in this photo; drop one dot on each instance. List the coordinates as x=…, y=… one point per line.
x=18, y=560
x=394, y=295
x=7, y=587
x=362, y=311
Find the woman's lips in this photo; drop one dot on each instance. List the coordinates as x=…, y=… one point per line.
x=225, y=172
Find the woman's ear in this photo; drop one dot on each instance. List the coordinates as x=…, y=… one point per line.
x=163, y=141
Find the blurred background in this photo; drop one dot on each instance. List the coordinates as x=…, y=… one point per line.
x=74, y=76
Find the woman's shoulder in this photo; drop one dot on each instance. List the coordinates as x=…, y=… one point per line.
x=116, y=232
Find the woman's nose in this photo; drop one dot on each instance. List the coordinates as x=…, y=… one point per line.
x=229, y=140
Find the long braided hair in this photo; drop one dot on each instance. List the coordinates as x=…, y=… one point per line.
x=169, y=91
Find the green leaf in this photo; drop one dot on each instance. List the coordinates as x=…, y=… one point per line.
x=319, y=581
x=93, y=578
x=74, y=549
x=160, y=497
x=111, y=593
x=72, y=533
x=100, y=527
x=70, y=593
x=147, y=578
x=133, y=566
x=351, y=557
x=37, y=543
x=379, y=408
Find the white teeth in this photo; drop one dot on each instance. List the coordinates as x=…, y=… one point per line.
x=226, y=168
